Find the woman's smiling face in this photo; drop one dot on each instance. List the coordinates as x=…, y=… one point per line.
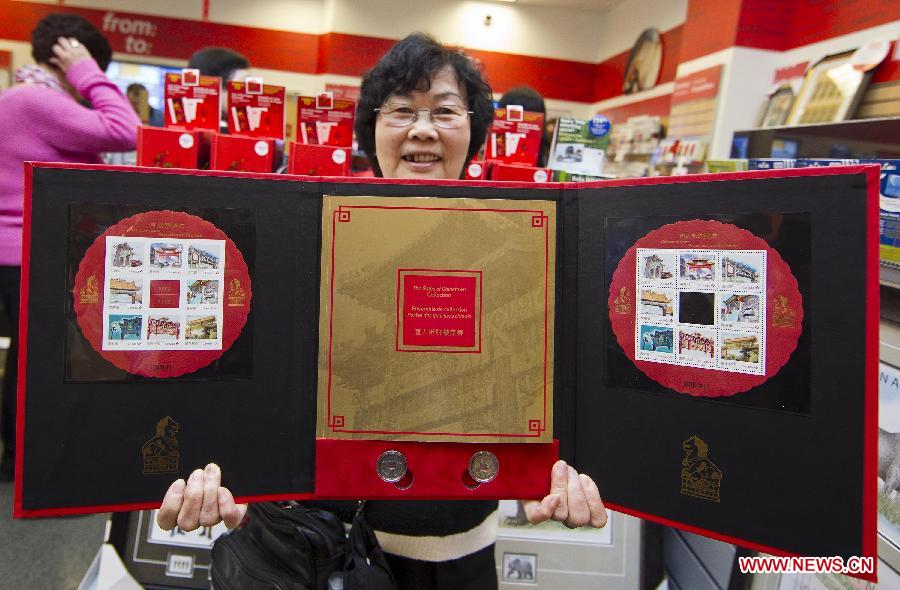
x=424, y=150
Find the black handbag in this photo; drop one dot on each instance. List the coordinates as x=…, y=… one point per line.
x=287, y=546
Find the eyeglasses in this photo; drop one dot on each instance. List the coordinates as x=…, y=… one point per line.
x=404, y=115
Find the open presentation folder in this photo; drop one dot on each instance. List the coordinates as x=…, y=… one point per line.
x=703, y=347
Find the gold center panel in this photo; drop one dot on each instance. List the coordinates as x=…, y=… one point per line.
x=436, y=319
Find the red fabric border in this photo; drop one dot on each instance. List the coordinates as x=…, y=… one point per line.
x=23, y=342
x=873, y=307
x=345, y=469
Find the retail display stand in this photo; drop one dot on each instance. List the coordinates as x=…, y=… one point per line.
x=325, y=136
x=388, y=339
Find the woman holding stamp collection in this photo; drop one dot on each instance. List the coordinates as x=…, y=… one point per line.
x=424, y=112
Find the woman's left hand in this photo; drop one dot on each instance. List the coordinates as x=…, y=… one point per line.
x=68, y=51
x=574, y=500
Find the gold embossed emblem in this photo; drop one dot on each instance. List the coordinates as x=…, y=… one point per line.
x=783, y=315
x=160, y=453
x=700, y=477
x=90, y=293
x=622, y=303
x=236, y=294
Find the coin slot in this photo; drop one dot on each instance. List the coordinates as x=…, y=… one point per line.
x=406, y=481
x=469, y=481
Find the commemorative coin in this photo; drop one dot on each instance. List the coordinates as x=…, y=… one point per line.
x=483, y=466
x=391, y=466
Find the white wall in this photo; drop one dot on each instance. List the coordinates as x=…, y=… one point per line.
x=302, y=16
x=621, y=26
x=526, y=30
x=174, y=8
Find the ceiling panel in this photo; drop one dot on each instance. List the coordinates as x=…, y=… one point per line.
x=595, y=5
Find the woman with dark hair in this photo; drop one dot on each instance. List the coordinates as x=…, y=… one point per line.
x=419, y=74
x=424, y=111
x=220, y=62
x=42, y=118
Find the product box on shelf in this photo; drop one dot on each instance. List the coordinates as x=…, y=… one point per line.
x=771, y=163
x=318, y=160
x=256, y=109
x=889, y=204
x=192, y=101
x=515, y=136
x=816, y=162
x=324, y=120
x=239, y=153
x=160, y=147
x=501, y=171
x=715, y=166
x=563, y=176
x=579, y=145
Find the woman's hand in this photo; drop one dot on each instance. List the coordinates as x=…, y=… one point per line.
x=574, y=500
x=202, y=501
x=68, y=51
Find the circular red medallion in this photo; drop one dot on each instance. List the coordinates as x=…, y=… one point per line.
x=229, y=306
x=712, y=261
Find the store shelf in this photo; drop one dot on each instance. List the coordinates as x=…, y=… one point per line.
x=846, y=139
x=889, y=276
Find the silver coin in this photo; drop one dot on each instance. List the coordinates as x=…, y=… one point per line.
x=484, y=466
x=391, y=466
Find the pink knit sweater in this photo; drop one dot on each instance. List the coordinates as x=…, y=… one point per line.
x=41, y=124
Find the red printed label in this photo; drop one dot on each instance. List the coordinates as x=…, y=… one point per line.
x=256, y=109
x=192, y=103
x=439, y=311
x=325, y=126
x=516, y=141
x=165, y=293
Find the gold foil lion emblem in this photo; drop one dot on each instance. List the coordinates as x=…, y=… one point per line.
x=783, y=314
x=700, y=477
x=90, y=293
x=160, y=453
x=236, y=293
x=622, y=302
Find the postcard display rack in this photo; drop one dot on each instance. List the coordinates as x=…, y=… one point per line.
x=402, y=339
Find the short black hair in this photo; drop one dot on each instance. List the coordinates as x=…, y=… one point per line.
x=135, y=86
x=63, y=24
x=218, y=61
x=524, y=96
x=410, y=65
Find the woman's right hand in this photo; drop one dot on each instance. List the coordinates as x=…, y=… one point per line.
x=68, y=51
x=201, y=501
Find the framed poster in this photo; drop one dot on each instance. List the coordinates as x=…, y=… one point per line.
x=778, y=106
x=644, y=63
x=889, y=464
x=550, y=555
x=830, y=92
x=155, y=557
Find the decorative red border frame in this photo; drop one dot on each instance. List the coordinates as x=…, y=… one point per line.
x=538, y=220
x=182, y=361
x=401, y=272
x=779, y=343
x=870, y=450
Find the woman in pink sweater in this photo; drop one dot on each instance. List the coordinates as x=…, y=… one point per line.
x=42, y=118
